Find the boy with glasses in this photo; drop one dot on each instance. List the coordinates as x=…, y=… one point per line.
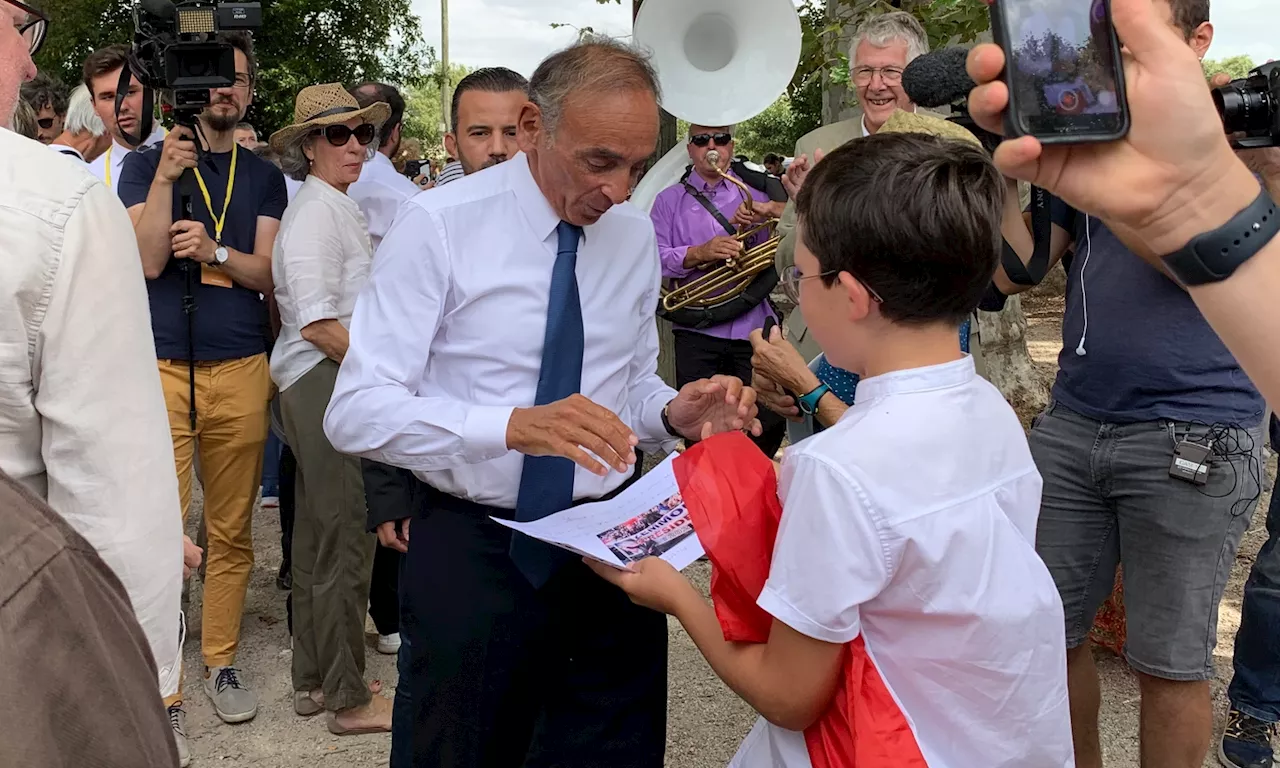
x=906, y=615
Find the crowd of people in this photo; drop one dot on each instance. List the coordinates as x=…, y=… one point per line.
x=296, y=323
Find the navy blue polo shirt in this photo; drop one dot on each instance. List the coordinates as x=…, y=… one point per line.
x=1135, y=346
x=228, y=321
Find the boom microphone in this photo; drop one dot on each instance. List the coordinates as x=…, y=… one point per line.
x=939, y=78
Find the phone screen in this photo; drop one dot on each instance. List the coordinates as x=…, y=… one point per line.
x=1064, y=69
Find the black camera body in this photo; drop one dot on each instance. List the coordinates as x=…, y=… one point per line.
x=1252, y=107
x=414, y=168
x=176, y=48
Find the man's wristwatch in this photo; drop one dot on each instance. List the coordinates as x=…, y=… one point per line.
x=220, y=256
x=1215, y=256
x=808, y=404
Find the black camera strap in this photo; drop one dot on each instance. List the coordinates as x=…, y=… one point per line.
x=705, y=203
x=146, y=119
x=1032, y=272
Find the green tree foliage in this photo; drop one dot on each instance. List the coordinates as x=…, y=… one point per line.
x=422, y=109
x=301, y=43
x=1236, y=66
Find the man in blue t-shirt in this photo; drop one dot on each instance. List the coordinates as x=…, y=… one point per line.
x=1150, y=451
x=219, y=262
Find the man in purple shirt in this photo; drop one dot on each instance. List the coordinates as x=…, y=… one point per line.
x=691, y=238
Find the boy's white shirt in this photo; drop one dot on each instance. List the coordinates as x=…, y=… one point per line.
x=911, y=523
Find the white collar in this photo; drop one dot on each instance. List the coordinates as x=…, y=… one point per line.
x=933, y=377
x=537, y=210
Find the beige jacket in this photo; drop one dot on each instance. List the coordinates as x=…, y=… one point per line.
x=83, y=422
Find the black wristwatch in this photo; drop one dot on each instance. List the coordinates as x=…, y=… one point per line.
x=1215, y=256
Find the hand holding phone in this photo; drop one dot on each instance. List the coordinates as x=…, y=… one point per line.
x=1063, y=68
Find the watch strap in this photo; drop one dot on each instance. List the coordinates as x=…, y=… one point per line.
x=666, y=422
x=808, y=403
x=1214, y=256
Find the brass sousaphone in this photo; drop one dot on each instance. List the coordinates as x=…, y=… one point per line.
x=720, y=62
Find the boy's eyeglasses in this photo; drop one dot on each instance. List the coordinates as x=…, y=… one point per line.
x=703, y=139
x=339, y=135
x=33, y=27
x=791, y=279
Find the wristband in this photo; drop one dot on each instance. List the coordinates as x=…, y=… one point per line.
x=808, y=404
x=1214, y=256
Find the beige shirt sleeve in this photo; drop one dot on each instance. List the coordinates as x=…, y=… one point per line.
x=105, y=436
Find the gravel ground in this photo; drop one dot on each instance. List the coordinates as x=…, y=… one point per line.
x=706, y=720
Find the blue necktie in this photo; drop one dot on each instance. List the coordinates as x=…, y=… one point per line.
x=546, y=482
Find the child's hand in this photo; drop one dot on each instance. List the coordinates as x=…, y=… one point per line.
x=652, y=582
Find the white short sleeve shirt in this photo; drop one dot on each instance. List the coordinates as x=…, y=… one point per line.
x=909, y=527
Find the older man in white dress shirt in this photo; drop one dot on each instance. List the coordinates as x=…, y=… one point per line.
x=505, y=350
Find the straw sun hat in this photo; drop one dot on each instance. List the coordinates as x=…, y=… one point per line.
x=328, y=104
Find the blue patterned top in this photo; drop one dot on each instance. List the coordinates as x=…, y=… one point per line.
x=844, y=383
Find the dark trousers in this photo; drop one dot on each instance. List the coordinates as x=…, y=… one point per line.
x=503, y=675
x=288, y=502
x=699, y=356
x=1255, y=686
x=384, y=591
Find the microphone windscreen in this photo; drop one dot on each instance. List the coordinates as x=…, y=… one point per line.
x=164, y=9
x=938, y=78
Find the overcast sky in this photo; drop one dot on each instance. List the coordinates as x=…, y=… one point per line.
x=518, y=33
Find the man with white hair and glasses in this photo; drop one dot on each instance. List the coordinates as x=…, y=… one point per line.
x=881, y=49
x=84, y=136
x=82, y=426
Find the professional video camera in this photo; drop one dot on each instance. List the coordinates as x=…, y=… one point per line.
x=1252, y=107
x=176, y=49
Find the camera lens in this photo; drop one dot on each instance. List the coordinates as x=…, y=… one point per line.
x=1244, y=107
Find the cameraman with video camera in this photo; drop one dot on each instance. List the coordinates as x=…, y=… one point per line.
x=1146, y=388
x=204, y=278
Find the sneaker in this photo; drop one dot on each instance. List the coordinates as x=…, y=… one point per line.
x=270, y=502
x=1246, y=742
x=178, y=722
x=389, y=644
x=233, y=702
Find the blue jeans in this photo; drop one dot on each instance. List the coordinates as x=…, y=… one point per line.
x=271, y=465
x=1255, y=687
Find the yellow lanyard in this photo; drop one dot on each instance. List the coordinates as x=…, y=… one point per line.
x=219, y=220
x=107, y=164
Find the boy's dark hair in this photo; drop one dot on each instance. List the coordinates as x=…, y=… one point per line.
x=371, y=93
x=772, y=158
x=1189, y=14
x=46, y=91
x=243, y=42
x=102, y=61
x=489, y=80
x=915, y=218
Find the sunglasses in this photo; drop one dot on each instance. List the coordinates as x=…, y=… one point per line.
x=32, y=28
x=45, y=122
x=339, y=135
x=703, y=139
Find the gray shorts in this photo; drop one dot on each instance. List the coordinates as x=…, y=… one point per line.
x=1108, y=498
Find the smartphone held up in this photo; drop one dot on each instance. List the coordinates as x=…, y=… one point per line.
x=1063, y=68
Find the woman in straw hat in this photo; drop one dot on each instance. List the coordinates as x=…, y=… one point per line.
x=321, y=261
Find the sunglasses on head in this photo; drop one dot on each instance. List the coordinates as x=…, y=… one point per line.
x=703, y=139
x=339, y=135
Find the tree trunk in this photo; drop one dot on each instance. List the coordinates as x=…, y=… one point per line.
x=1009, y=365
